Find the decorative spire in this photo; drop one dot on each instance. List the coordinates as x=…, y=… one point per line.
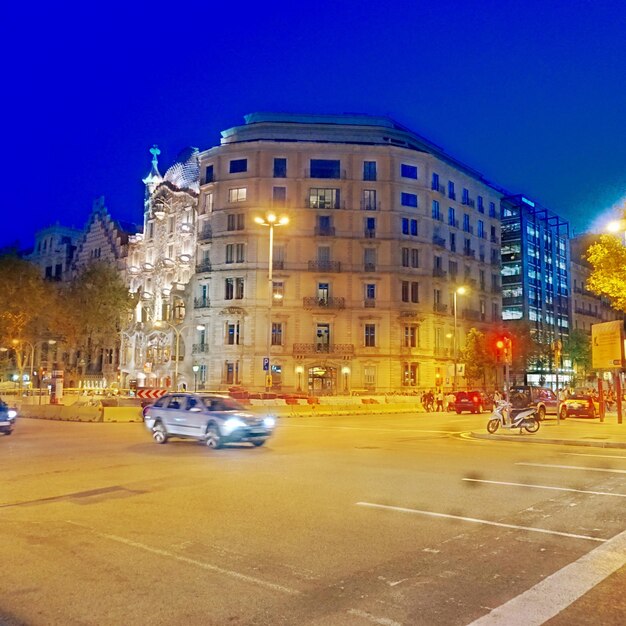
x=154, y=178
x=155, y=157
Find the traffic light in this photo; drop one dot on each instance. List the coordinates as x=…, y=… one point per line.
x=504, y=350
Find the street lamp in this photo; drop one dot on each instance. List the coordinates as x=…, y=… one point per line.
x=271, y=220
x=345, y=370
x=460, y=291
x=177, y=332
x=195, y=369
x=299, y=371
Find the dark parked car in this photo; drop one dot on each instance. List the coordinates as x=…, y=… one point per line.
x=579, y=405
x=210, y=418
x=543, y=399
x=7, y=418
x=472, y=401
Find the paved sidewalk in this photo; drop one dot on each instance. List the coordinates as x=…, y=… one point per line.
x=573, y=431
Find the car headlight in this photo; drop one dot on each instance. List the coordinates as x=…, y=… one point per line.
x=269, y=422
x=232, y=424
x=12, y=413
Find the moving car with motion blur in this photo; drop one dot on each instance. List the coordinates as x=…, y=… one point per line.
x=579, y=405
x=7, y=418
x=211, y=418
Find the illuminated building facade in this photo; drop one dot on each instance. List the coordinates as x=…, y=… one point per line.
x=384, y=226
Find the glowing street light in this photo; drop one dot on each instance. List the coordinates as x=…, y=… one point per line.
x=271, y=220
x=195, y=369
x=460, y=291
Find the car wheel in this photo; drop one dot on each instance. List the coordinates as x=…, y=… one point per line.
x=258, y=443
x=213, y=439
x=458, y=412
x=8, y=432
x=563, y=412
x=541, y=413
x=159, y=434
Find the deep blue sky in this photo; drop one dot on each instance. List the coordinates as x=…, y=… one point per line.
x=530, y=93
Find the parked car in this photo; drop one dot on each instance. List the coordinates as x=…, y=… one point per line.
x=579, y=405
x=214, y=419
x=7, y=418
x=472, y=401
x=543, y=399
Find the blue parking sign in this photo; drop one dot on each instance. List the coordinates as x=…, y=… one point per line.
x=266, y=364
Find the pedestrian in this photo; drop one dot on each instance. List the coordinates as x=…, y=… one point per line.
x=440, y=401
x=450, y=401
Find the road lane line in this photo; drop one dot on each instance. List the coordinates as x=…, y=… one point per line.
x=386, y=430
x=575, y=467
x=383, y=621
x=601, y=456
x=183, y=559
x=478, y=521
x=498, y=482
x=555, y=593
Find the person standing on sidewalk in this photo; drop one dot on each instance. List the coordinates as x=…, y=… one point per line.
x=440, y=398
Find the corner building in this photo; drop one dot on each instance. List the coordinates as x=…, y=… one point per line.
x=383, y=228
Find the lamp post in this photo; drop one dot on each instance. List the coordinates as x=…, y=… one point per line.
x=195, y=369
x=345, y=370
x=271, y=220
x=177, y=331
x=460, y=291
x=299, y=371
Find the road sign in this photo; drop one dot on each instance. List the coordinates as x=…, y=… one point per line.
x=150, y=394
x=266, y=364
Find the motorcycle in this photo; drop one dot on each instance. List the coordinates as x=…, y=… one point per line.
x=507, y=417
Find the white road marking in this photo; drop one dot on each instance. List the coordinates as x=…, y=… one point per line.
x=183, y=559
x=478, y=521
x=576, y=467
x=555, y=593
x=498, y=482
x=384, y=621
x=386, y=430
x=601, y=456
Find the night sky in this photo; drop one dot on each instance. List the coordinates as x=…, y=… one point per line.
x=532, y=94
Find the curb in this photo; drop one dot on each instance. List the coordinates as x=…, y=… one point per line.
x=564, y=442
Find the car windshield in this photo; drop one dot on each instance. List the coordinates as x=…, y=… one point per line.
x=222, y=404
x=580, y=397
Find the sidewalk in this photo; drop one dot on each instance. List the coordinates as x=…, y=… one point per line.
x=572, y=432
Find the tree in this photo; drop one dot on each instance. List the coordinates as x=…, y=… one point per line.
x=96, y=300
x=578, y=346
x=476, y=357
x=607, y=257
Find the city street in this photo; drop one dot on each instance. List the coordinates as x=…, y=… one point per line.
x=400, y=519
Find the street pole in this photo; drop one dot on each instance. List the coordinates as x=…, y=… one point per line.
x=268, y=378
x=454, y=346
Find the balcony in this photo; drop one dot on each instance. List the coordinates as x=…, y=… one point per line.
x=471, y=314
x=325, y=173
x=206, y=234
x=325, y=231
x=317, y=203
x=369, y=233
x=200, y=348
x=323, y=303
x=201, y=303
x=186, y=228
x=439, y=241
x=468, y=202
x=370, y=205
x=369, y=303
x=438, y=272
x=278, y=264
x=324, y=266
x=312, y=349
x=470, y=252
x=440, y=308
x=453, y=223
x=369, y=267
x=205, y=266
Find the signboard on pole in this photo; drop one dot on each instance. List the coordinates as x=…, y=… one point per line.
x=607, y=345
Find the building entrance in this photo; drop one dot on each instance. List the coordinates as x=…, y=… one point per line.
x=322, y=380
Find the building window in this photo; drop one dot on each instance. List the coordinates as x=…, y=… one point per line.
x=492, y=209
x=436, y=211
x=369, y=200
x=238, y=288
x=240, y=253
x=434, y=185
x=451, y=192
x=280, y=168
x=369, y=376
x=230, y=253
x=481, y=229
x=324, y=198
x=405, y=257
x=277, y=334
x=370, y=227
x=279, y=196
x=209, y=177
x=409, y=227
x=452, y=242
x=325, y=225
x=208, y=203
x=232, y=333
x=410, y=291
x=235, y=221
x=370, y=335
x=415, y=292
x=408, y=171
x=231, y=372
x=410, y=375
x=452, y=217
x=278, y=292
x=466, y=223
x=238, y=165
x=415, y=257
x=238, y=194
x=481, y=205
x=369, y=259
x=369, y=170
x=466, y=198
x=150, y=231
x=370, y=291
x=229, y=288
x=410, y=336
x=325, y=168
x=408, y=199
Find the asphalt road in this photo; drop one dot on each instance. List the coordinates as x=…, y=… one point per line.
x=352, y=520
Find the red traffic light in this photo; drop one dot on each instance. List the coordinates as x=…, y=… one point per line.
x=500, y=344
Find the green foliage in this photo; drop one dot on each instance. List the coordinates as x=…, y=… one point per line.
x=476, y=357
x=578, y=346
x=608, y=277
